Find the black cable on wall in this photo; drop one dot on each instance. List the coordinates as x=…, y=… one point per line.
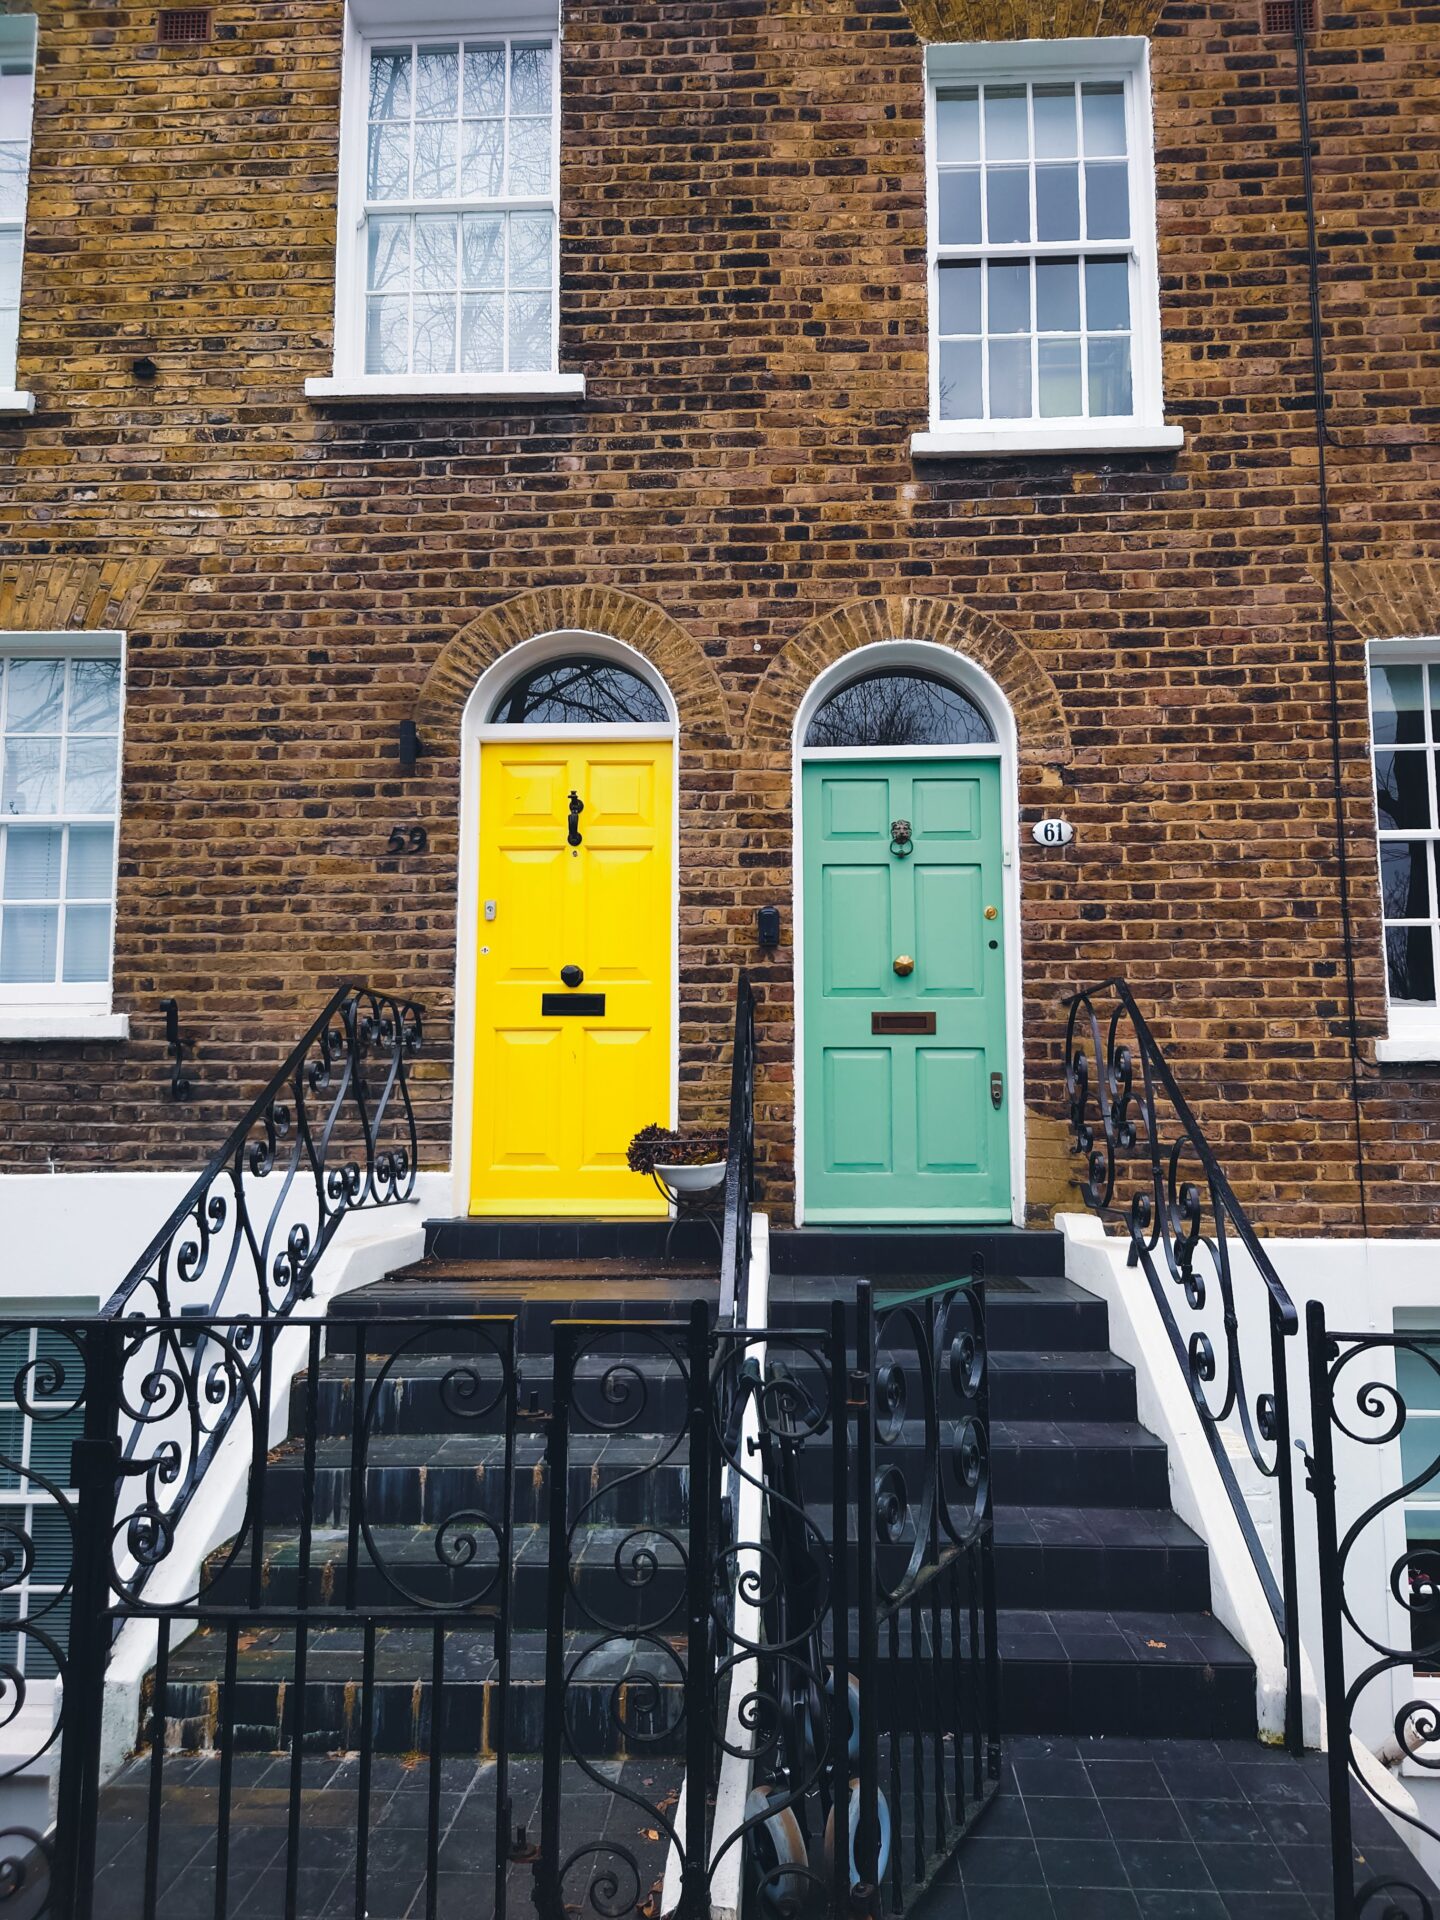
x=1317, y=358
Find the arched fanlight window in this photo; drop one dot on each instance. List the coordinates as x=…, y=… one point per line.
x=898, y=707
x=580, y=690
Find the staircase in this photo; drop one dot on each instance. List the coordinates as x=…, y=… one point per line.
x=1104, y=1593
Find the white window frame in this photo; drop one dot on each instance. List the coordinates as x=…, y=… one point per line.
x=1122, y=58
x=19, y=39
x=1413, y=1032
x=387, y=26
x=80, y=1010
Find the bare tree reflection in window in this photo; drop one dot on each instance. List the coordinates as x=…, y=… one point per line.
x=581, y=691
x=899, y=708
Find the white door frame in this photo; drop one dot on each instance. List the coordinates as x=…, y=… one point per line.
x=475, y=731
x=977, y=685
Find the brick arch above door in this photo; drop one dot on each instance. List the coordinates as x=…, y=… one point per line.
x=1390, y=597
x=70, y=595
x=675, y=654
x=1039, y=717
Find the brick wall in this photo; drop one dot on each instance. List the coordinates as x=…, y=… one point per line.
x=743, y=216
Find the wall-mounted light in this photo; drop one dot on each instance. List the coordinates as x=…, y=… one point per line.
x=767, y=927
x=411, y=745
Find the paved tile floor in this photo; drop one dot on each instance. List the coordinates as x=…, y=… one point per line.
x=1111, y=1829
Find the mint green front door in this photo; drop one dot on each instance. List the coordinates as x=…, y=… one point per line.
x=906, y=1113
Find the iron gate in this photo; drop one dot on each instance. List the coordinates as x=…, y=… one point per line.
x=600, y=1629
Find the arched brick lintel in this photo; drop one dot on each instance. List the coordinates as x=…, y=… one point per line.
x=1031, y=19
x=675, y=654
x=1390, y=598
x=1039, y=716
x=70, y=595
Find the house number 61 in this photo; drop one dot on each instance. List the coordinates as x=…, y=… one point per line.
x=1052, y=833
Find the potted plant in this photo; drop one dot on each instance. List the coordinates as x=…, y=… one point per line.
x=680, y=1164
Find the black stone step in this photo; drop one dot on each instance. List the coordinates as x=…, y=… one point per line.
x=519, y=1239
x=878, y=1252
x=1101, y=1557
x=412, y=1395
x=1082, y=1463
x=1060, y=1672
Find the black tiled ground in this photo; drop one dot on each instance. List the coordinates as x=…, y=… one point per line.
x=1112, y=1829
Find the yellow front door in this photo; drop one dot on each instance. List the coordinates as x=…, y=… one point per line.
x=567, y=1069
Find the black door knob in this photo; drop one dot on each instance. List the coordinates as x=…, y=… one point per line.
x=572, y=976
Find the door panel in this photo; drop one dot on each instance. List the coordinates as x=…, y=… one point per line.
x=557, y=1096
x=903, y=1126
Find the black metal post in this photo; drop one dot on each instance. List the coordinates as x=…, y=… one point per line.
x=95, y=1471
x=700, y=1689
x=1289, y=1570
x=548, y=1901
x=862, y=1387
x=1332, y=1632
x=839, y=1610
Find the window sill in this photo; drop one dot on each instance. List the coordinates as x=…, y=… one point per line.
x=1416, y=1047
x=16, y=400
x=972, y=443
x=62, y=1024
x=448, y=386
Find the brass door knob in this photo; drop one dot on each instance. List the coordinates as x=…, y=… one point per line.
x=903, y=964
x=992, y=913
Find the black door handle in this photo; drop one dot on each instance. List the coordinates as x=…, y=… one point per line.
x=577, y=807
x=572, y=976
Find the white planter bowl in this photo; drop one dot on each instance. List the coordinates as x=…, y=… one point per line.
x=690, y=1180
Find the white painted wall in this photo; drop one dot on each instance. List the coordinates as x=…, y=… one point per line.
x=1361, y=1285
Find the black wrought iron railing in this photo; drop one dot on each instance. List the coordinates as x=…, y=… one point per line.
x=1379, y=1581
x=333, y=1132
x=1149, y=1166
x=739, y=1163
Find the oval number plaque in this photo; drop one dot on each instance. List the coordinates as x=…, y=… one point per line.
x=1052, y=833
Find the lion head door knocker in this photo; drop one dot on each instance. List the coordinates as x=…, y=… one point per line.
x=901, y=839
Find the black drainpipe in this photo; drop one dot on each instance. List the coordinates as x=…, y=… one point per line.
x=1332, y=662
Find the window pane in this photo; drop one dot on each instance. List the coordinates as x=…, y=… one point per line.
x=94, y=696
x=960, y=208
x=1107, y=200
x=437, y=83
x=1397, y=704
x=435, y=151
x=1110, y=377
x=87, y=943
x=483, y=164
x=388, y=244
x=1010, y=379
x=1007, y=204
x=434, y=333
x=1103, y=106
x=957, y=124
x=529, y=156
x=960, y=380
x=1057, y=203
x=31, y=780
x=1009, y=289
x=485, y=80
x=28, y=940
x=1435, y=703
x=1107, y=295
x=1402, y=792
x=14, y=171
x=35, y=696
x=531, y=260
x=390, y=83
x=90, y=776
x=960, y=298
x=1405, y=879
x=32, y=863
x=1054, y=109
x=389, y=169
x=898, y=709
x=483, y=240
x=1060, y=395
x=387, y=333
x=9, y=341
x=530, y=69
x=482, y=345
x=1057, y=296
x=529, y=332
x=90, y=868
x=1007, y=131
x=577, y=690
x=435, y=257
x=1410, y=964
x=10, y=255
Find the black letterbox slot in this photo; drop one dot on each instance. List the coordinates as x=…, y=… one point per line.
x=585, y=1006
x=902, y=1023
